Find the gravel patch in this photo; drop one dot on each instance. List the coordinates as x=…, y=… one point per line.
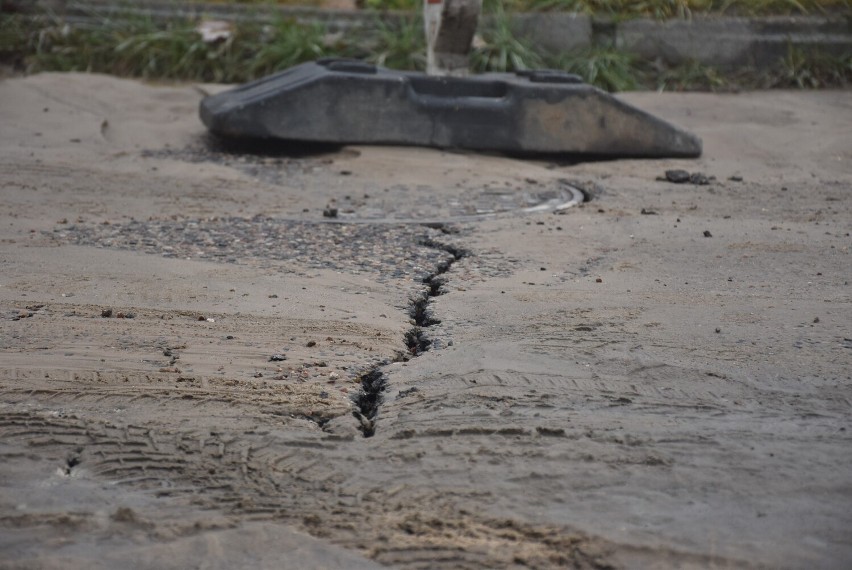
x=383, y=250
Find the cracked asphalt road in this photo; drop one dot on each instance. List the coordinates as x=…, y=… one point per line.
x=658, y=377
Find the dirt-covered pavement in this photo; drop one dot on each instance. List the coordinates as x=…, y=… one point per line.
x=200, y=367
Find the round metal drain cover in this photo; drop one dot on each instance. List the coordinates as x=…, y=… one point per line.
x=362, y=198
x=401, y=203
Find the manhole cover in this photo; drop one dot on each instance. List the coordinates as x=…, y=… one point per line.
x=365, y=199
x=423, y=203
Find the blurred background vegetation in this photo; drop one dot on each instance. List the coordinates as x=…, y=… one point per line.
x=615, y=8
x=134, y=45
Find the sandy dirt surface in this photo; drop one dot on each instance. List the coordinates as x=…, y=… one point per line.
x=658, y=377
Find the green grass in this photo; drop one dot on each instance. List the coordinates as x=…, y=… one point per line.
x=282, y=44
x=141, y=47
x=501, y=49
x=662, y=9
x=399, y=45
x=607, y=68
x=809, y=68
x=695, y=76
x=619, y=9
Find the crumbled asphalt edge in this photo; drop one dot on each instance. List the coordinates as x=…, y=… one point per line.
x=384, y=251
x=374, y=382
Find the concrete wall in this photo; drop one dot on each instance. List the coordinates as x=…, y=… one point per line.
x=730, y=42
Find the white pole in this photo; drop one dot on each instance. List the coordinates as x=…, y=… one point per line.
x=450, y=26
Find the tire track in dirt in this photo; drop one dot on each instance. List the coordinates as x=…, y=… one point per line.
x=269, y=463
x=261, y=477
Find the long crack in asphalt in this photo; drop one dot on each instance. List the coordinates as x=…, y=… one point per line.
x=421, y=313
x=401, y=251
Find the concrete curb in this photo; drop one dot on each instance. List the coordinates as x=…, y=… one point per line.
x=713, y=40
x=733, y=42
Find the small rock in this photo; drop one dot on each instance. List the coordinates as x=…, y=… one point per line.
x=707, y=233
x=277, y=358
x=646, y=212
x=699, y=179
x=407, y=392
x=329, y=212
x=125, y=514
x=598, y=280
x=677, y=176
x=106, y=313
x=311, y=343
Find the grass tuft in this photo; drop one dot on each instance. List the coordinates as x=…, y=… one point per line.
x=400, y=45
x=500, y=49
x=693, y=76
x=607, y=68
x=812, y=69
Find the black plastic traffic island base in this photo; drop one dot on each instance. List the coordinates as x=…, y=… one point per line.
x=348, y=102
